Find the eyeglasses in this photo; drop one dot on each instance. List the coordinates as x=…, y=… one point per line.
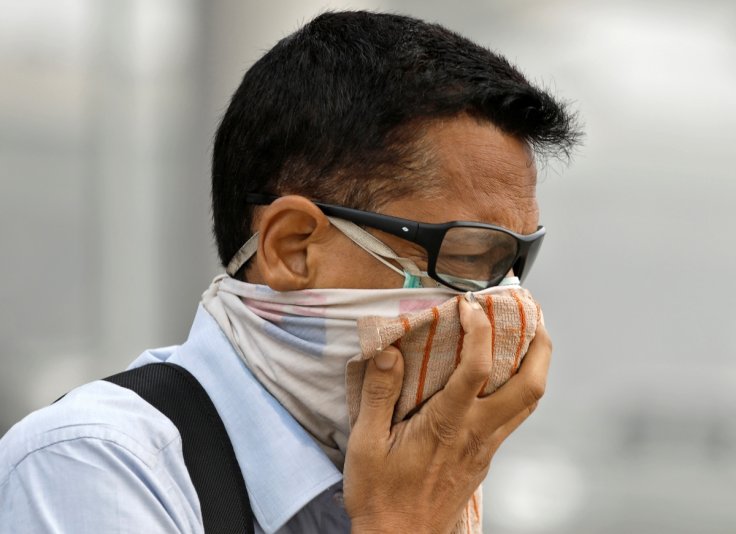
x=462, y=255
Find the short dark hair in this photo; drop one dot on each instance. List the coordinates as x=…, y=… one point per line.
x=335, y=112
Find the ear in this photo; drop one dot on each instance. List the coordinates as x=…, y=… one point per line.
x=288, y=227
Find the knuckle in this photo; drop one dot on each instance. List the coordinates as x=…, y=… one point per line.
x=475, y=320
x=378, y=393
x=533, y=392
x=445, y=430
x=476, y=374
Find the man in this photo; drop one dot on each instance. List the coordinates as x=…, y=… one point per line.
x=401, y=121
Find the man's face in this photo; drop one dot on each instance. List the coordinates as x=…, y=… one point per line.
x=484, y=176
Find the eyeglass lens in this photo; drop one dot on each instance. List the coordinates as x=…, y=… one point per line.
x=481, y=256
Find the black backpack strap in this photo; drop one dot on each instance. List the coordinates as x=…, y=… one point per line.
x=208, y=453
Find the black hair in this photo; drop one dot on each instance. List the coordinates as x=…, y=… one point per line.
x=335, y=111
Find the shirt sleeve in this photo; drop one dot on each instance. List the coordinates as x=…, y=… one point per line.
x=91, y=484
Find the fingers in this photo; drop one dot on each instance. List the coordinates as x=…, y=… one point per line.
x=476, y=359
x=518, y=397
x=450, y=405
x=381, y=387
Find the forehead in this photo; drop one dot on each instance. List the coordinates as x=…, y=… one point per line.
x=481, y=174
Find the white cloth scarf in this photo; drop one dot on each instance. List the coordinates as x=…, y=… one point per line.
x=298, y=343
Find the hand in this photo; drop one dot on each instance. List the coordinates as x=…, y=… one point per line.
x=418, y=475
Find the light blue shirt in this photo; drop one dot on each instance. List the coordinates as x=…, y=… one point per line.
x=103, y=460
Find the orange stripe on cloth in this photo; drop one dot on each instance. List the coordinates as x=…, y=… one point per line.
x=491, y=314
x=427, y=350
x=405, y=324
x=475, y=507
x=491, y=319
x=459, y=350
x=522, y=334
x=460, y=340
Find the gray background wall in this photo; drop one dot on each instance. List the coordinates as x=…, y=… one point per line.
x=107, y=111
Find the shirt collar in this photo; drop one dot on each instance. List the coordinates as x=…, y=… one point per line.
x=283, y=467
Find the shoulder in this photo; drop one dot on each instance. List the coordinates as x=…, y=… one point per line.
x=98, y=411
x=98, y=452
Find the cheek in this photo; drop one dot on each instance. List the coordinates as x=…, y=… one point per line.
x=345, y=265
x=362, y=271
x=375, y=275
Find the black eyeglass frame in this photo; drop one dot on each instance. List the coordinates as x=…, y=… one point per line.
x=427, y=235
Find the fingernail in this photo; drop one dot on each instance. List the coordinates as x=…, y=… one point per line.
x=385, y=360
x=470, y=298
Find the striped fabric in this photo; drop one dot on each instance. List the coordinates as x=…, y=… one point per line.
x=431, y=341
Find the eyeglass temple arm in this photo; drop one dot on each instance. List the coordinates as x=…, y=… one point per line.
x=393, y=225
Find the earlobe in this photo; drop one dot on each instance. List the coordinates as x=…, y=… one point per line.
x=288, y=228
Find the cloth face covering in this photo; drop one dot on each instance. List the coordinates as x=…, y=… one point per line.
x=309, y=348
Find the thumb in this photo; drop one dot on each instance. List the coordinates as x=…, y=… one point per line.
x=384, y=375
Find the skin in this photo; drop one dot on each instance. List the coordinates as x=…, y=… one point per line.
x=416, y=476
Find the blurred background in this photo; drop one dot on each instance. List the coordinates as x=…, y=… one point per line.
x=107, y=113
